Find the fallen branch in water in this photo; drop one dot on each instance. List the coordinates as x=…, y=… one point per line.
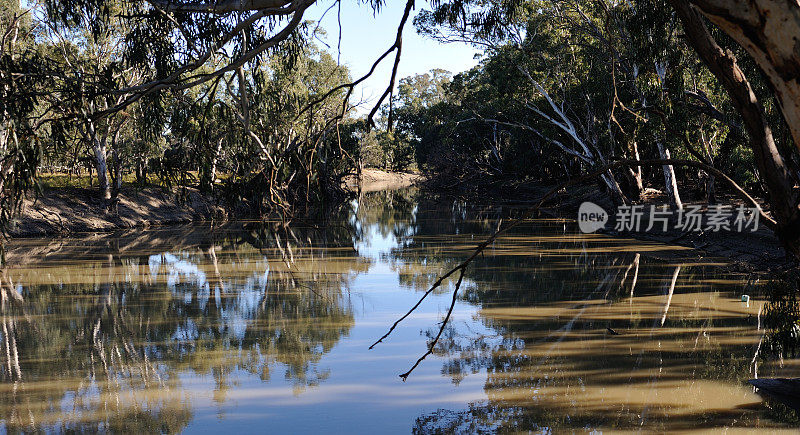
x=530, y=213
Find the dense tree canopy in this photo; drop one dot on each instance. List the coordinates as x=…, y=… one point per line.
x=234, y=98
x=573, y=85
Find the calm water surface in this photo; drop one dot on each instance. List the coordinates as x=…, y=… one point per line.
x=253, y=327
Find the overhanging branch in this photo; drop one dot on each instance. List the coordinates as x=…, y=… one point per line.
x=218, y=7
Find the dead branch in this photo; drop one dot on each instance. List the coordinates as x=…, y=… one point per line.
x=432, y=344
x=350, y=87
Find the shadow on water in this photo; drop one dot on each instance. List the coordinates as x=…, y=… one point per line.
x=562, y=331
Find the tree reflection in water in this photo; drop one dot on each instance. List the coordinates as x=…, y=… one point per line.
x=589, y=333
x=99, y=345
x=570, y=331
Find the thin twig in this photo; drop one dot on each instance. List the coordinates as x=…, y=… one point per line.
x=432, y=345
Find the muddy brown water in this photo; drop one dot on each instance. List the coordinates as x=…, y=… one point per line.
x=265, y=328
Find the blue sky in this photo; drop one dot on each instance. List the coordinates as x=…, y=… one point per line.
x=365, y=37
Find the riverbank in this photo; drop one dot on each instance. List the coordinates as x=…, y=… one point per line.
x=758, y=251
x=69, y=210
x=374, y=180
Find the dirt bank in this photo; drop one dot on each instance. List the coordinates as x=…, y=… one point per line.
x=69, y=210
x=373, y=180
x=79, y=210
x=74, y=210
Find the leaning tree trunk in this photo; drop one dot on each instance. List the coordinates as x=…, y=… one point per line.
x=771, y=165
x=614, y=189
x=636, y=173
x=769, y=30
x=669, y=179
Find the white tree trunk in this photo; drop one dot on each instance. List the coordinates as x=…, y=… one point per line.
x=100, y=162
x=670, y=293
x=669, y=179
x=102, y=169
x=614, y=188
x=214, y=162
x=637, y=171
x=586, y=154
x=635, y=274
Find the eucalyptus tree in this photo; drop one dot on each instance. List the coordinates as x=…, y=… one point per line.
x=416, y=96
x=89, y=65
x=287, y=114
x=20, y=114
x=769, y=47
x=242, y=51
x=182, y=44
x=654, y=108
x=557, y=63
x=768, y=30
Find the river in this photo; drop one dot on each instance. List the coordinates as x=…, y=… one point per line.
x=254, y=327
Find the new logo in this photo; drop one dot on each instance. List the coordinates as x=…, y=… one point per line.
x=591, y=217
